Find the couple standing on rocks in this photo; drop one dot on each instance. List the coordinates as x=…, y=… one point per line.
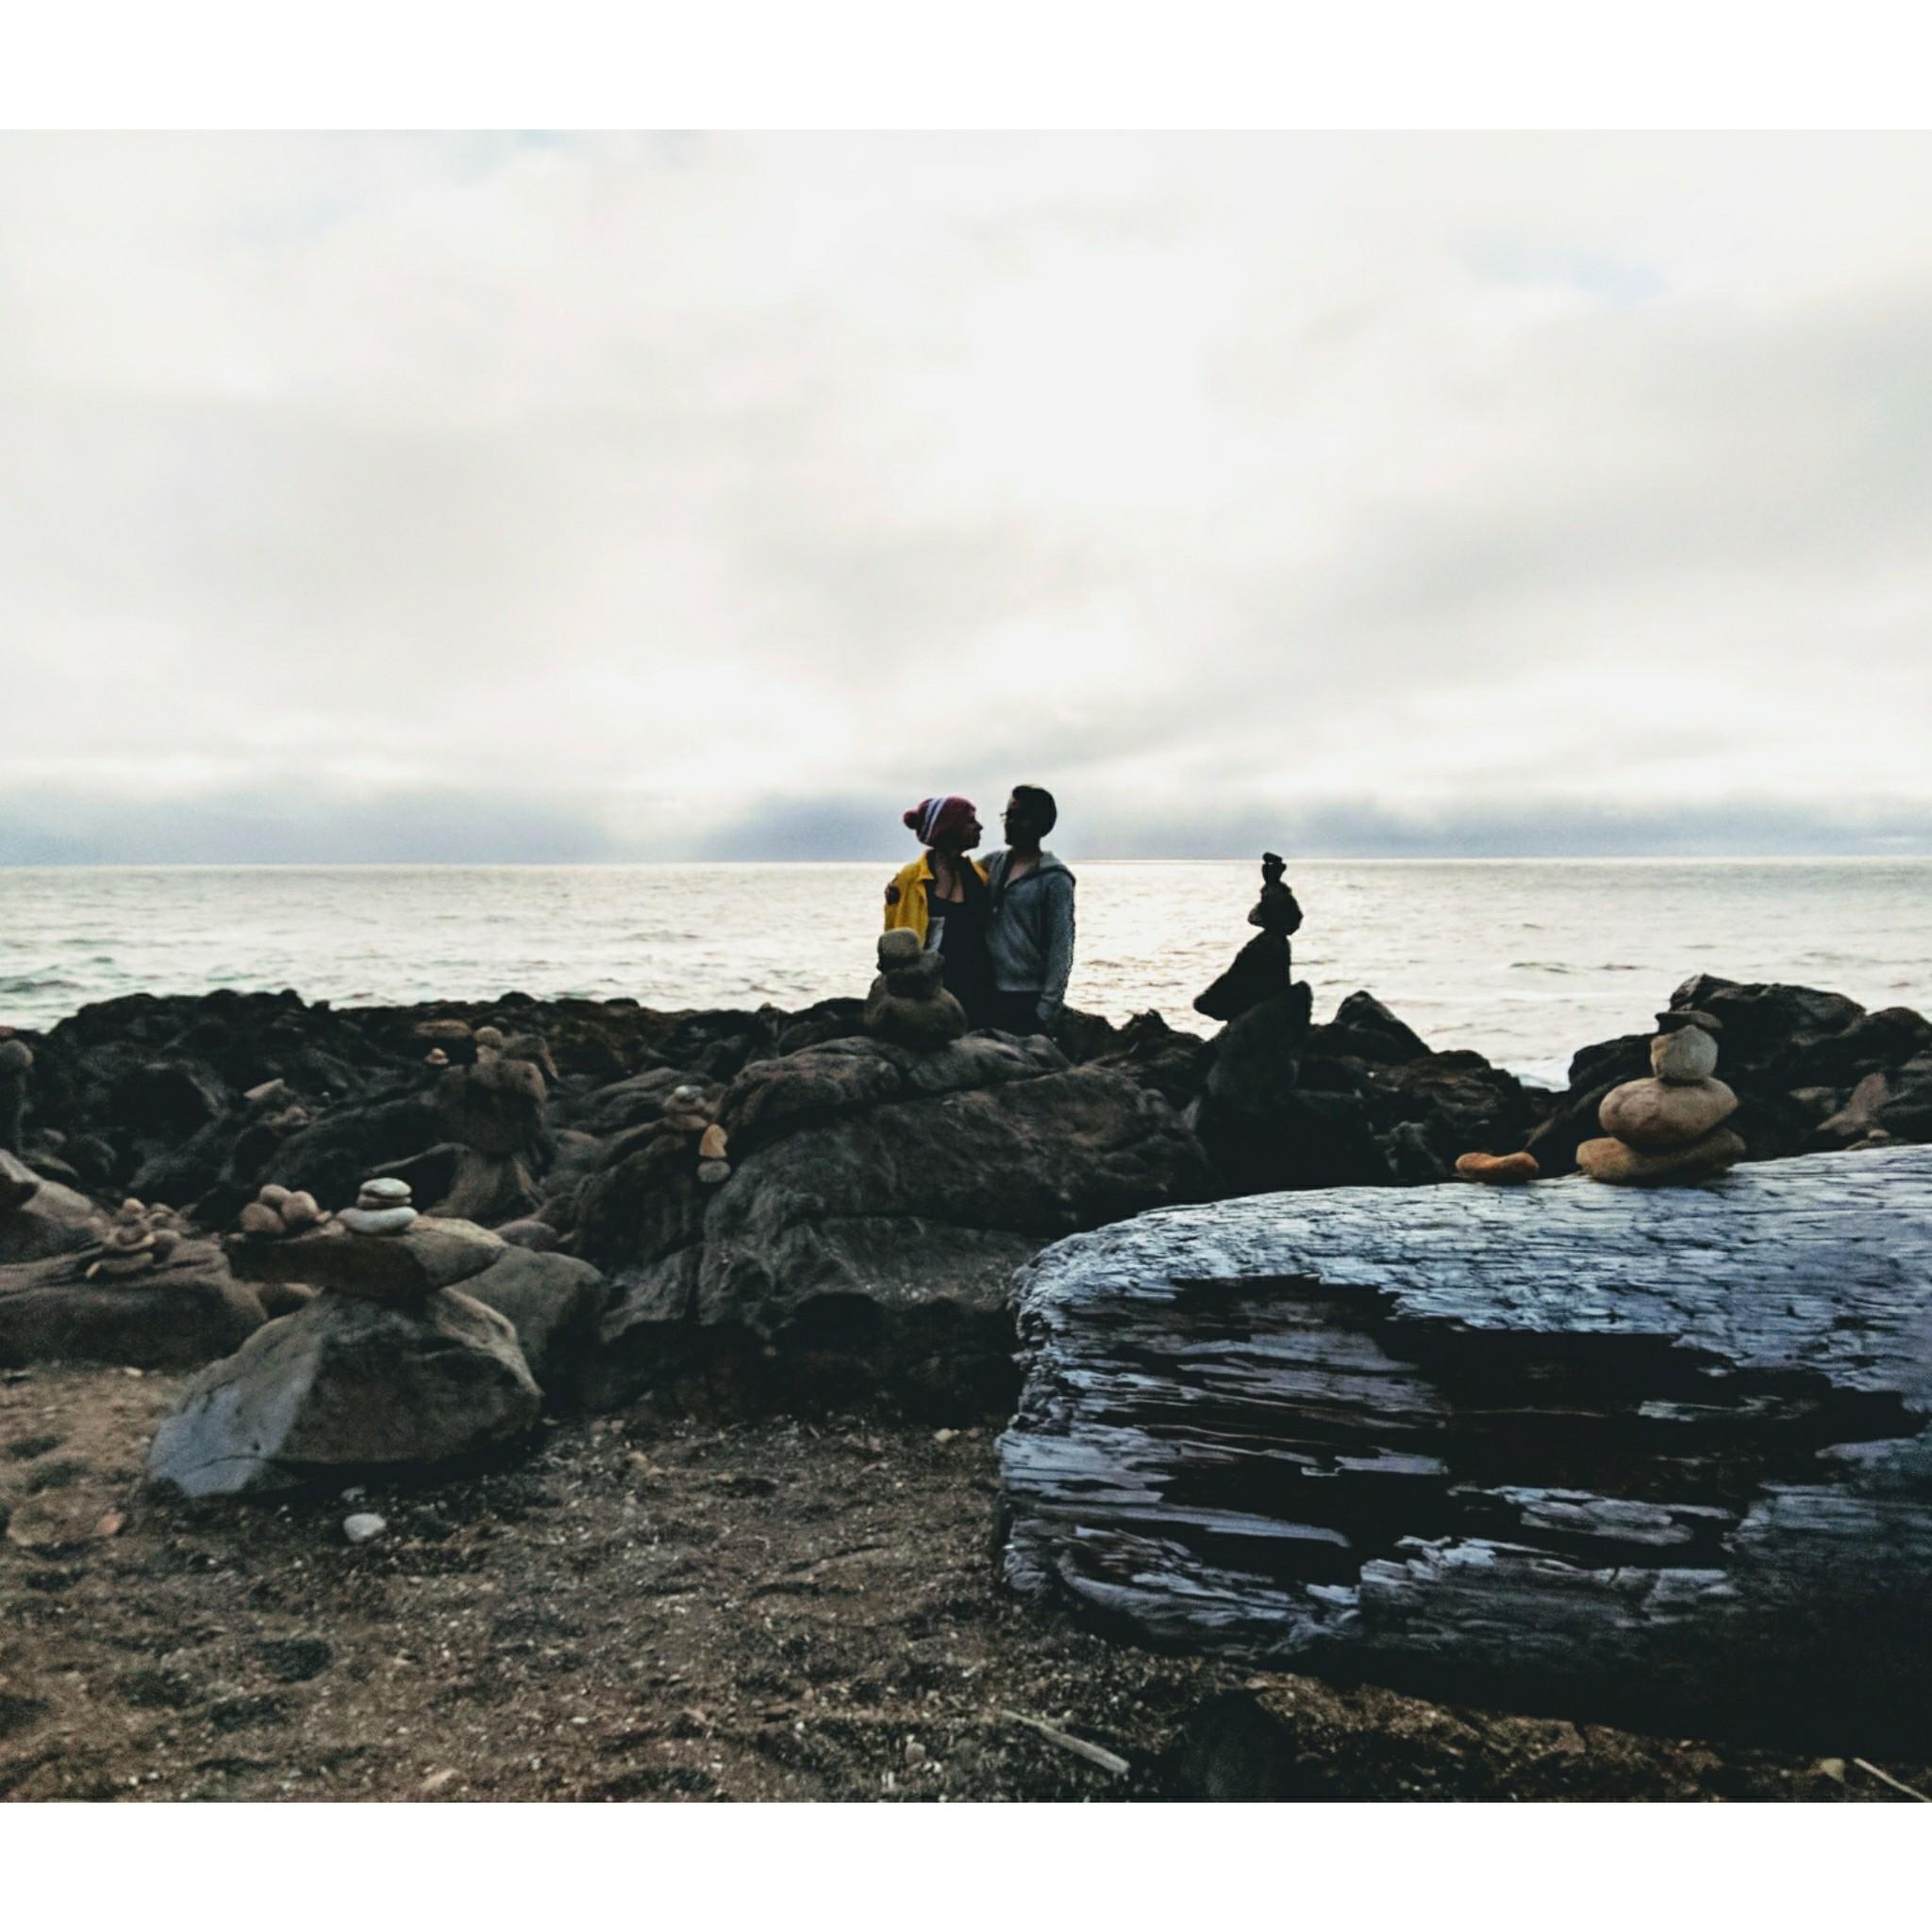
x=1004, y=927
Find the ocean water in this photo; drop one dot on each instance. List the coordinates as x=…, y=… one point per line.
x=1523, y=960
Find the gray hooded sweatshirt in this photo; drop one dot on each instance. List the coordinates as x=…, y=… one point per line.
x=1029, y=929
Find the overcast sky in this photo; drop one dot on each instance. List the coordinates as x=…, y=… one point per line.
x=674, y=496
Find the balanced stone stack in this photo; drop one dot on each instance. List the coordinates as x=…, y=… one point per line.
x=494, y=1110
x=687, y=1112
x=388, y=1367
x=1669, y=1127
x=1264, y=966
x=908, y=1003
x=277, y=1211
x=141, y=1239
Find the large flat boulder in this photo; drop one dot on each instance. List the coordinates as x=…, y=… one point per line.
x=187, y=1310
x=433, y=1251
x=884, y=1194
x=349, y=1386
x=39, y=1218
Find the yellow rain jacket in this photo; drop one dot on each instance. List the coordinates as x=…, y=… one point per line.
x=905, y=896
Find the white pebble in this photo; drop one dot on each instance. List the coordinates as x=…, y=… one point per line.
x=360, y=1527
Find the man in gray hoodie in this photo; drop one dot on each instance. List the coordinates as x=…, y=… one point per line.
x=1029, y=929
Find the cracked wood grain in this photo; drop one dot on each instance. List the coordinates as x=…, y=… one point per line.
x=1661, y=1456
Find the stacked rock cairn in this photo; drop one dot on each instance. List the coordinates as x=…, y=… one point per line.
x=279, y=1211
x=378, y=1250
x=382, y=1208
x=493, y=1110
x=686, y=1111
x=1264, y=966
x=1669, y=1127
x=908, y=1003
x=141, y=1239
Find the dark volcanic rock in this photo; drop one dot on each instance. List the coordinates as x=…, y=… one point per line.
x=881, y=1204
x=552, y=1301
x=16, y=1071
x=166, y=1100
x=345, y=1387
x=331, y=1159
x=39, y=1218
x=1256, y=1059
x=1364, y=1030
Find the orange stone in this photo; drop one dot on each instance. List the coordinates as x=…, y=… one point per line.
x=1498, y=1170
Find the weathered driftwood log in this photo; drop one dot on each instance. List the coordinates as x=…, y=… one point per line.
x=1659, y=1456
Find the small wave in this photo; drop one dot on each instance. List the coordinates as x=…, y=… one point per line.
x=22, y=984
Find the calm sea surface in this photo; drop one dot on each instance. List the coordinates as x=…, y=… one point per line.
x=1524, y=961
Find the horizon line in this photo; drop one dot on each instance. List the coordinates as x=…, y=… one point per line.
x=1635, y=858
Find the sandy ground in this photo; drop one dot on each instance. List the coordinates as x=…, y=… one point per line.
x=649, y=1608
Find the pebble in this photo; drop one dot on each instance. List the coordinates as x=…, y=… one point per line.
x=377, y=1220
x=257, y=1219
x=712, y=1174
x=1689, y=1054
x=364, y=1524
x=1497, y=1169
x=301, y=1210
x=383, y=1191
x=712, y=1146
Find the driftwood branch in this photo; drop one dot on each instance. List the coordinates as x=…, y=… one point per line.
x=1885, y=1777
x=1661, y=1456
x=1093, y=1754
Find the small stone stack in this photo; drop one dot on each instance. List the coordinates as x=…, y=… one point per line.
x=380, y=1249
x=382, y=1208
x=141, y=1239
x=908, y=1003
x=277, y=1212
x=383, y=1370
x=1669, y=1127
x=686, y=1111
x=492, y=1109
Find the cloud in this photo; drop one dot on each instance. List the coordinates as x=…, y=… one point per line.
x=629, y=495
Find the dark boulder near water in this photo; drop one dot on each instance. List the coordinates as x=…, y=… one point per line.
x=855, y=1224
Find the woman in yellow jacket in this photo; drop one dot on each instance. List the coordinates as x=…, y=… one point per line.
x=942, y=897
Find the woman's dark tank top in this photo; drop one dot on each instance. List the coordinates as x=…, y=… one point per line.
x=960, y=942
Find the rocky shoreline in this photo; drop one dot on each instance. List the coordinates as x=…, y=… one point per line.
x=391, y=1252
x=762, y=1208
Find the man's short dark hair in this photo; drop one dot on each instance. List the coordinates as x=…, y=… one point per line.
x=1038, y=801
